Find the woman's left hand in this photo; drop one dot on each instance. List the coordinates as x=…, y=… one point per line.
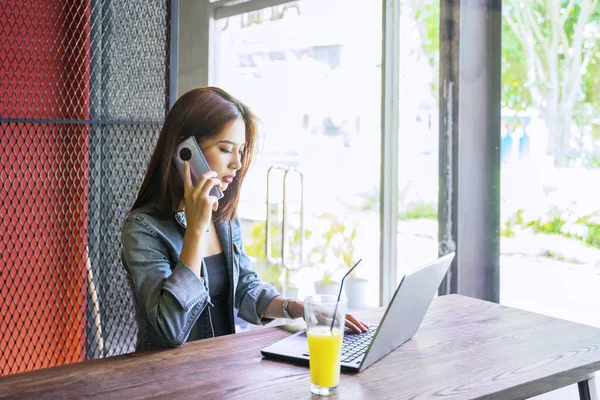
x=356, y=325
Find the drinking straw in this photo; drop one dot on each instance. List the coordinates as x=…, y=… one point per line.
x=340, y=293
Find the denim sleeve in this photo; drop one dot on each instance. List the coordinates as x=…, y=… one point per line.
x=172, y=299
x=252, y=296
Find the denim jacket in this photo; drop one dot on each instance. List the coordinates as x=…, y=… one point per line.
x=171, y=303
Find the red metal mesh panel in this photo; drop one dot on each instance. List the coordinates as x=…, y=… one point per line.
x=82, y=99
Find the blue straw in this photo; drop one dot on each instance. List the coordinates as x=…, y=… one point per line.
x=340, y=294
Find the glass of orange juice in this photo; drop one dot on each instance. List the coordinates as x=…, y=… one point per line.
x=325, y=319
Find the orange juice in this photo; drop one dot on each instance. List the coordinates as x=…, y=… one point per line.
x=324, y=348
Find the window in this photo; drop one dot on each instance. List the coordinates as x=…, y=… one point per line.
x=314, y=80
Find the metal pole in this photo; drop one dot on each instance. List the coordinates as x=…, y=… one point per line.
x=448, y=145
x=390, y=88
x=479, y=149
x=469, y=202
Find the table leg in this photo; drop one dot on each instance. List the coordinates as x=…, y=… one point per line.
x=588, y=389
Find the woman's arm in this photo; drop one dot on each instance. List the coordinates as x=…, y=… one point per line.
x=171, y=299
x=275, y=308
x=192, y=251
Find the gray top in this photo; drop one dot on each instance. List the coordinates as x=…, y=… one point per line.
x=169, y=299
x=219, y=293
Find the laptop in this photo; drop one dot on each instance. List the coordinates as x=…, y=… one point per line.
x=400, y=322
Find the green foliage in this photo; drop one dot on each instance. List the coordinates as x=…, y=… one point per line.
x=590, y=160
x=515, y=93
x=335, y=249
x=419, y=211
x=553, y=223
x=556, y=256
x=371, y=202
x=515, y=220
x=515, y=86
x=518, y=217
x=539, y=57
x=590, y=76
x=551, y=227
x=593, y=229
x=539, y=13
x=412, y=211
x=255, y=249
x=593, y=236
x=327, y=278
x=507, y=229
x=332, y=251
x=428, y=12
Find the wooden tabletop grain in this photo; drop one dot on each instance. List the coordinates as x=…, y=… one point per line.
x=465, y=349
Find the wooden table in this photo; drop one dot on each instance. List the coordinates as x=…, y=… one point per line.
x=465, y=349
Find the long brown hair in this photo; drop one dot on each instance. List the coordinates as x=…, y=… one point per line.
x=204, y=113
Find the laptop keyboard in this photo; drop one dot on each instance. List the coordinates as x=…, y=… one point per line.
x=355, y=345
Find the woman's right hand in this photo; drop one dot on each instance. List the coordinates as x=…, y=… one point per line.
x=199, y=204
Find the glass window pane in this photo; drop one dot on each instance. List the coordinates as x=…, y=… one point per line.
x=314, y=79
x=418, y=136
x=550, y=247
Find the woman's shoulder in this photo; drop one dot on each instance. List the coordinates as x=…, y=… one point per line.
x=145, y=217
x=140, y=214
x=143, y=230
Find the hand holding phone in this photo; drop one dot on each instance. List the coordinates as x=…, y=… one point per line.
x=189, y=151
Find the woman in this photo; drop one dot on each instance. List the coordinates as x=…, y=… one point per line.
x=182, y=249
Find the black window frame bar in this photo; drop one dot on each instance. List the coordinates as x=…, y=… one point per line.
x=469, y=155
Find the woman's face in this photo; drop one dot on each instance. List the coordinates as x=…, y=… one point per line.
x=224, y=152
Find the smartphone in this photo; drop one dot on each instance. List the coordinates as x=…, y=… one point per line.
x=189, y=151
